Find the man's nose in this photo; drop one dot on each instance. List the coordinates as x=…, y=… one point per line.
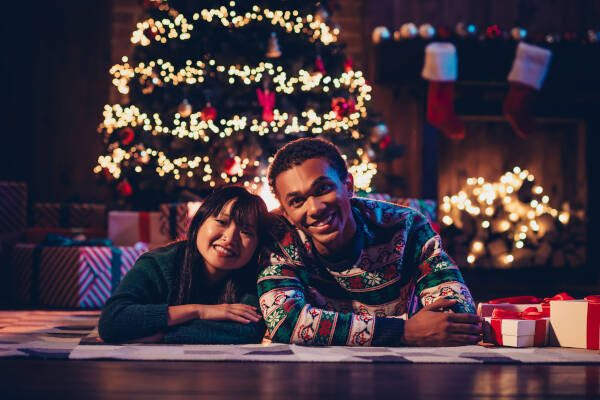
x=315, y=206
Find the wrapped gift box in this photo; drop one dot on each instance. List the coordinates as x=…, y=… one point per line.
x=175, y=218
x=13, y=207
x=51, y=215
x=69, y=276
x=576, y=323
x=486, y=309
x=516, y=332
x=125, y=228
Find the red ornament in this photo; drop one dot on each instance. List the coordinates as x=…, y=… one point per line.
x=444, y=32
x=384, y=142
x=232, y=166
x=493, y=32
x=348, y=65
x=342, y=107
x=127, y=135
x=151, y=32
x=319, y=65
x=208, y=113
x=124, y=189
x=266, y=99
x=106, y=174
x=150, y=3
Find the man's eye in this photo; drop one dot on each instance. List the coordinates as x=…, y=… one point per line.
x=324, y=188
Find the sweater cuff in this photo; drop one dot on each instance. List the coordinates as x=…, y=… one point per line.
x=388, y=332
x=156, y=317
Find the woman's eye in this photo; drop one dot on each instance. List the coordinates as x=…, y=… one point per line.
x=296, y=202
x=221, y=221
x=248, y=233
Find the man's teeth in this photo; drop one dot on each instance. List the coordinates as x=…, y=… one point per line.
x=223, y=250
x=324, y=222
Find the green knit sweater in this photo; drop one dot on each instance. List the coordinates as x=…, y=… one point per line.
x=139, y=306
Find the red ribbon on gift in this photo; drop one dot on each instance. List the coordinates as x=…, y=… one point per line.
x=593, y=323
x=144, y=226
x=517, y=300
x=531, y=313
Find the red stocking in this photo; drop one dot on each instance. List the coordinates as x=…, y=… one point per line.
x=517, y=109
x=440, y=69
x=526, y=77
x=440, y=110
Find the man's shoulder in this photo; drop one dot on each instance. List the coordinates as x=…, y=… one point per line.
x=384, y=213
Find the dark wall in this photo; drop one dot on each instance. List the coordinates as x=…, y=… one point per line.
x=55, y=62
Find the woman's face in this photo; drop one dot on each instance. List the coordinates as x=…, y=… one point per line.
x=223, y=244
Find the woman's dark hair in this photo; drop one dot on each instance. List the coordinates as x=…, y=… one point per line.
x=248, y=209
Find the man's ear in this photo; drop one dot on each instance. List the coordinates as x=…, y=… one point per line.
x=349, y=181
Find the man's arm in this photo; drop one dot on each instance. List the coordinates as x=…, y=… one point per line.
x=437, y=275
x=290, y=319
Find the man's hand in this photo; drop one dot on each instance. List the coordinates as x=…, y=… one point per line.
x=432, y=327
x=234, y=312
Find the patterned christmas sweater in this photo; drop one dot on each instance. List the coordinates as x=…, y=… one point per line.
x=398, y=266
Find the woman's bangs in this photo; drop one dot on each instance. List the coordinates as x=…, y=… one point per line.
x=245, y=212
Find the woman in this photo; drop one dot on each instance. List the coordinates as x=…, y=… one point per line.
x=202, y=290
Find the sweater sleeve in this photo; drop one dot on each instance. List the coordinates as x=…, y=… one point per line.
x=139, y=306
x=437, y=274
x=290, y=319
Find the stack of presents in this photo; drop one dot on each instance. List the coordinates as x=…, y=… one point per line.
x=75, y=255
x=527, y=321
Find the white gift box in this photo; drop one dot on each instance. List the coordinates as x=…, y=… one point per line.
x=575, y=323
x=125, y=228
x=516, y=332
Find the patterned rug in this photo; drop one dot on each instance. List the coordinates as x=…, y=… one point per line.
x=73, y=334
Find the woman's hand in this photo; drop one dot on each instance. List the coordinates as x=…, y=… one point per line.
x=233, y=312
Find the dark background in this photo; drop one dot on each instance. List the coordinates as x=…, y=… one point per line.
x=55, y=62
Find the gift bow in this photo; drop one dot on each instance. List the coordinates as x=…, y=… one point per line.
x=530, y=313
x=531, y=299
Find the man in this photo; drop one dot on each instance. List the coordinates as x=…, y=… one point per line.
x=357, y=268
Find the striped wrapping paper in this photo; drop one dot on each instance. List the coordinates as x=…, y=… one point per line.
x=425, y=207
x=13, y=206
x=175, y=218
x=69, y=276
x=53, y=215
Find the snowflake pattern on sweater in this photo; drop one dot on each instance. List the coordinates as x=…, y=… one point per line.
x=401, y=268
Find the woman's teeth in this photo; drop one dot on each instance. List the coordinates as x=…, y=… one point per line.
x=223, y=250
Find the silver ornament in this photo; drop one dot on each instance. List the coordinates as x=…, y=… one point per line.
x=406, y=31
x=378, y=132
x=518, y=33
x=426, y=31
x=185, y=108
x=464, y=29
x=380, y=33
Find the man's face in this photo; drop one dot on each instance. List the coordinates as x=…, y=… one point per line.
x=317, y=201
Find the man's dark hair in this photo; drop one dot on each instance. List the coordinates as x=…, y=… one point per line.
x=297, y=151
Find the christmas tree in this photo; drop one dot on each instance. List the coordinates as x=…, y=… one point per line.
x=216, y=87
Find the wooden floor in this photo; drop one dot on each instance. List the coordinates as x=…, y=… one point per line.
x=65, y=379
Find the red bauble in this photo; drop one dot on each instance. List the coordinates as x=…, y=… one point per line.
x=444, y=32
x=320, y=67
x=151, y=32
x=150, y=3
x=348, y=65
x=342, y=107
x=493, y=32
x=126, y=135
x=208, y=113
x=124, y=189
x=232, y=166
x=106, y=174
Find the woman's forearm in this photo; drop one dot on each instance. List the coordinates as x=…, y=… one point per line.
x=183, y=313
